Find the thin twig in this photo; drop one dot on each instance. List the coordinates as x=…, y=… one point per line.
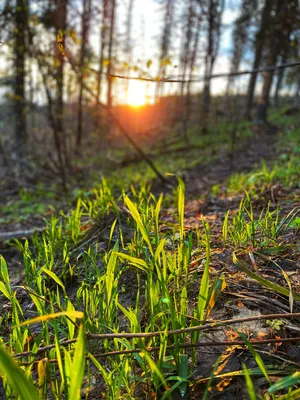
x=183, y=346
x=203, y=78
x=116, y=121
x=208, y=325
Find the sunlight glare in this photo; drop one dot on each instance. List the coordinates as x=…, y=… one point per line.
x=136, y=94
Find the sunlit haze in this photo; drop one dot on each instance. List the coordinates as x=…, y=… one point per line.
x=136, y=94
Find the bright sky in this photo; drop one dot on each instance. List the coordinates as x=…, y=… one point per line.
x=148, y=23
x=147, y=27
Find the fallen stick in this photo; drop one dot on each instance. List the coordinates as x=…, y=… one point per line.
x=205, y=325
x=26, y=233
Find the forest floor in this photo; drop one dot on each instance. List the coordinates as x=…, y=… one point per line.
x=252, y=260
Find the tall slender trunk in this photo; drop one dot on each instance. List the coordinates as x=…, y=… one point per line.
x=275, y=43
x=110, y=52
x=103, y=44
x=21, y=21
x=259, y=46
x=192, y=61
x=280, y=78
x=60, y=22
x=165, y=46
x=84, y=38
x=128, y=44
x=215, y=11
x=263, y=101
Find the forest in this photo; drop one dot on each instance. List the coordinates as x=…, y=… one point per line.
x=149, y=199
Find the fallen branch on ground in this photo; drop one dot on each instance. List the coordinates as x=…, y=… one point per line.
x=207, y=325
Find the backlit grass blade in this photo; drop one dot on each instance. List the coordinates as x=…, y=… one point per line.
x=16, y=377
x=183, y=373
x=204, y=287
x=256, y=356
x=264, y=282
x=218, y=286
x=180, y=381
x=137, y=262
x=42, y=318
x=138, y=220
x=294, y=395
x=286, y=382
x=156, y=215
x=153, y=367
x=78, y=365
x=181, y=207
x=54, y=277
x=249, y=384
x=4, y=271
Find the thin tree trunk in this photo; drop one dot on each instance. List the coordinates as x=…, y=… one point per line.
x=110, y=52
x=213, y=33
x=21, y=21
x=165, y=45
x=84, y=38
x=280, y=78
x=259, y=45
x=128, y=45
x=188, y=87
x=60, y=23
x=276, y=42
x=103, y=44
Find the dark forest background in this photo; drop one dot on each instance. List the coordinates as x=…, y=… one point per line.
x=60, y=91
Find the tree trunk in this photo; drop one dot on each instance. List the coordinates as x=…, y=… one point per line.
x=263, y=101
x=259, y=45
x=60, y=23
x=128, y=44
x=21, y=21
x=84, y=37
x=215, y=12
x=103, y=44
x=280, y=79
x=165, y=46
x=276, y=43
x=110, y=52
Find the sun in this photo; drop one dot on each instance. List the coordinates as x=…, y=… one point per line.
x=136, y=94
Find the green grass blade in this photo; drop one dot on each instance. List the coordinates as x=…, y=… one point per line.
x=138, y=220
x=249, y=384
x=16, y=377
x=264, y=282
x=256, y=356
x=78, y=366
x=54, y=277
x=71, y=314
x=286, y=382
x=181, y=207
x=137, y=262
x=294, y=395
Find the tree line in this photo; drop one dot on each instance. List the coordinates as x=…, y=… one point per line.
x=50, y=50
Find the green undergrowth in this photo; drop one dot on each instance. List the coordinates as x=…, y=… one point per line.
x=42, y=200
x=85, y=299
x=111, y=304
x=285, y=170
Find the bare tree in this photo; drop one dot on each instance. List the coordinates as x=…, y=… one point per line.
x=86, y=14
x=103, y=44
x=214, y=18
x=165, y=43
x=128, y=41
x=189, y=56
x=241, y=35
x=259, y=46
x=60, y=24
x=284, y=17
x=21, y=22
x=110, y=52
